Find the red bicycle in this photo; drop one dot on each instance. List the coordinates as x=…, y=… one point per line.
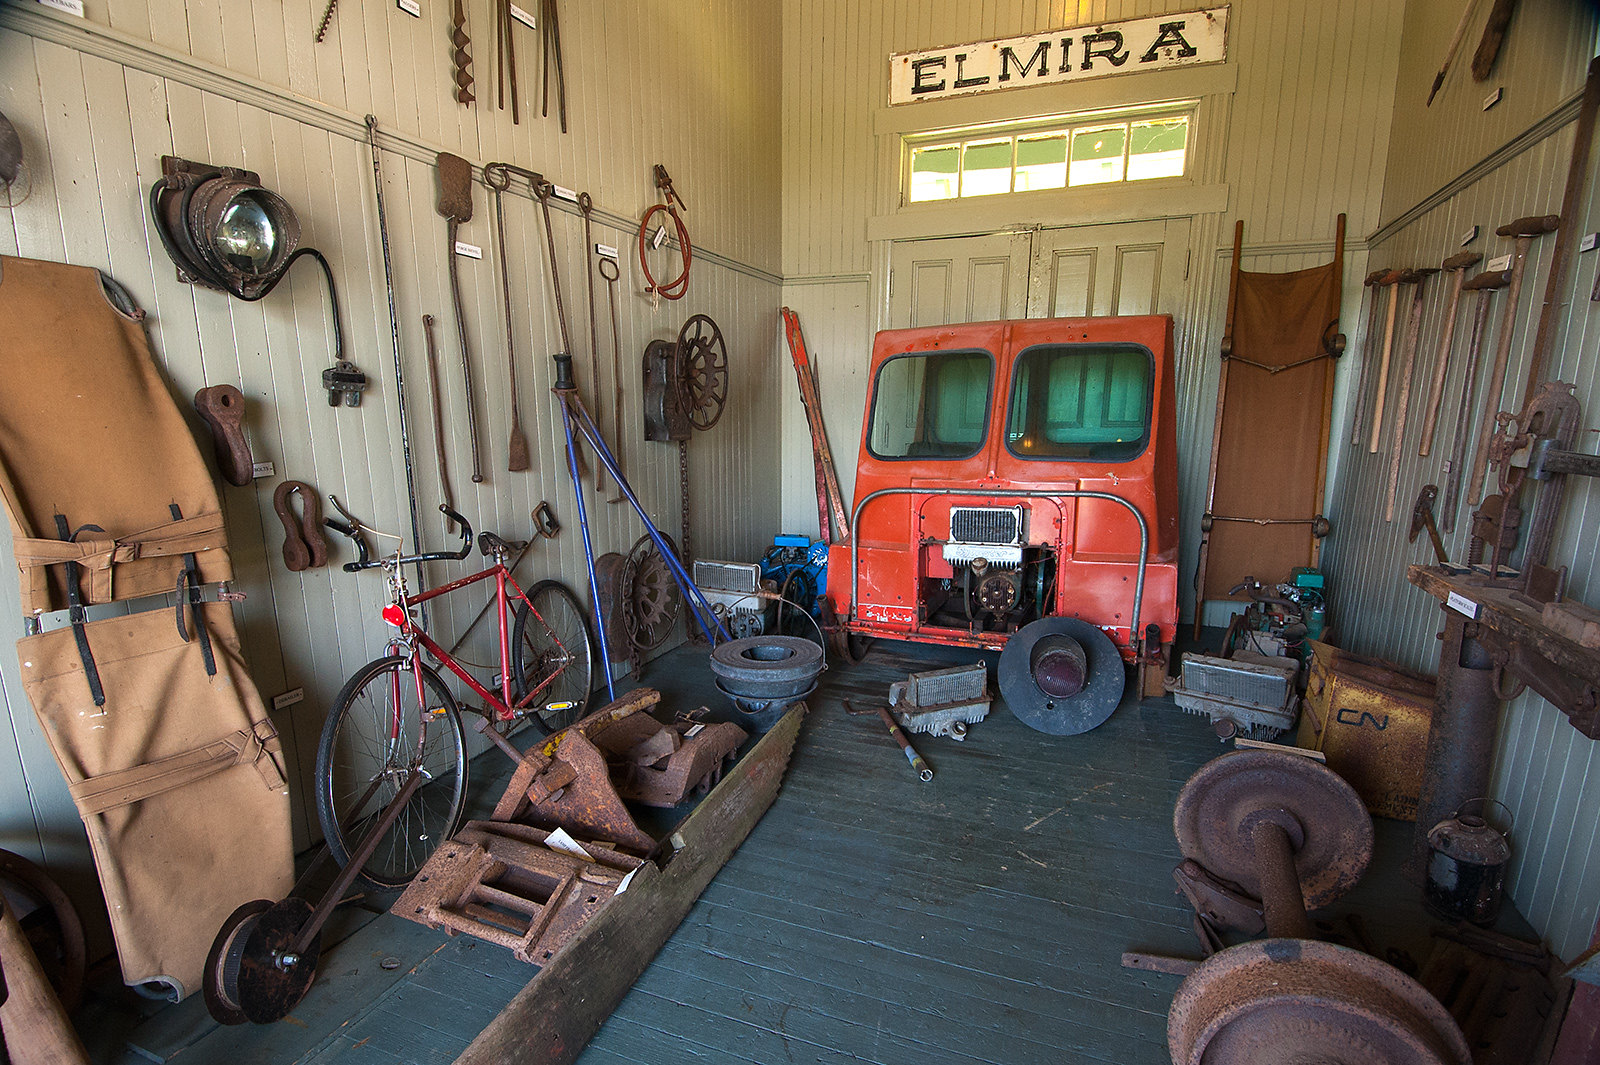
x=396, y=715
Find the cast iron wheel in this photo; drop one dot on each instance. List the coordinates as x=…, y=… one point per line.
x=702, y=371
x=1300, y=1000
x=378, y=732
x=58, y=942
x=250, y=974
x=649, y=595
x=552, y=653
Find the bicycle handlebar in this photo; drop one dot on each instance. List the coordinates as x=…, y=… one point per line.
x=364, y=559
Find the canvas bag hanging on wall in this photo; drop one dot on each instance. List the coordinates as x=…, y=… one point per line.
x=176, y=772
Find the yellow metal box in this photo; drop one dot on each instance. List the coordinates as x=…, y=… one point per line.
x=1370, y=719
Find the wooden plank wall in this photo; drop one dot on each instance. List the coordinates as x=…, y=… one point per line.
x=1546, y=772
x=1302, y=136
x=99, y=101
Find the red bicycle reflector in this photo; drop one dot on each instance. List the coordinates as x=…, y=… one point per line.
x=395, y=615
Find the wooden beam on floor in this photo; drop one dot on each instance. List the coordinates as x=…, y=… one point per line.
x=550, y=1021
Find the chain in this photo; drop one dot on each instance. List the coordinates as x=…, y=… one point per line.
x=684, y=552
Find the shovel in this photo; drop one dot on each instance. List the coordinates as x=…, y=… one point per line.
x=455, y=204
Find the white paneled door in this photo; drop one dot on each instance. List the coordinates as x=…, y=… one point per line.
x=1066, y=272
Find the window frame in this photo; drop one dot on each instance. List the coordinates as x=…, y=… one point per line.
x=1145, y=439
x=988, y=407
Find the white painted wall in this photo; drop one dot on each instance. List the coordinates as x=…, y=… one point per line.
x=1445, y=176
x=98, y=101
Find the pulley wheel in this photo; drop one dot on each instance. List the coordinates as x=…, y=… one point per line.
x=702, y=371
x=1061, y=676
x=1275, y=1001
x=1328, y=825
x=249, y=975
x=649, y=595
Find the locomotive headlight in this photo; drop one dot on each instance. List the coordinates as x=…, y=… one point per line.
x=222, y=228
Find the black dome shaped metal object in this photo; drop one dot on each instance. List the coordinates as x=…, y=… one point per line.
x=1061, y=676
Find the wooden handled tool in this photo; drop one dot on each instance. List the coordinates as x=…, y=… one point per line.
x=1494, y=35
x=1524, y=230
x=1483, y=287
x=1392, y=280
x=517, y=457
x=446, y=496
x=222, y=406
x=1456, y=266
x=1403, y=400
x=1374, y=311
x=455, y=203
x=1450, y=52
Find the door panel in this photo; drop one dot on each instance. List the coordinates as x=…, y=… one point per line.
x=1071, y=282
x=1118, y=268
x=958, y=279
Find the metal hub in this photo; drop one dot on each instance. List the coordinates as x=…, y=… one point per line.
x=702, y=371
x=251, y=972
x=1062, y=676
x=650, y=598
x=1327, y=824
x=1293, y=1001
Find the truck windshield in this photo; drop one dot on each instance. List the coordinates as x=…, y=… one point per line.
x=932, y=405
x=1081, y=401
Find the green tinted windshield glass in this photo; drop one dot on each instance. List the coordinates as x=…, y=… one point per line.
x=933, y=405
x=1081, y=401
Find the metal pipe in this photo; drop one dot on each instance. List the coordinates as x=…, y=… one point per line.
x=924, y=774
x=1466, y=715
x=1283, y=904
x=588, y=545
x=1013, y=493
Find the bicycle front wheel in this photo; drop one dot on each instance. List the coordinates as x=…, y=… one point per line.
x=552, y=654
x=392, y=716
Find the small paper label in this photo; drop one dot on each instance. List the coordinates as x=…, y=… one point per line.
x=71, y=7
x=288, y=698
x=660, y=236
x=1499, y=264
x=1588, y=242
x=1492, y=99
x=410, y=7
x=523, y=17
x=562, y=193
x=262, y=469
x=605, y=251
x=692, y=733
x=559, y=840
x=1469, y=236
x=1461, y=604
x=471, y=251
x=622, y=885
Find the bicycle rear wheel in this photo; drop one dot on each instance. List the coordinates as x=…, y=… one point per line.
x=375, y=735
x=552, y=649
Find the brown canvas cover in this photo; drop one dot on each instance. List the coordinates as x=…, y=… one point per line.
x=1273, y=432
x=178, y=778
x=89, y=430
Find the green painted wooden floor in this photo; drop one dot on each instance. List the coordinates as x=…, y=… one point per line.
x=869, y=917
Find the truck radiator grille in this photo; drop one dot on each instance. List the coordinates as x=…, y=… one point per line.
x=986, y=525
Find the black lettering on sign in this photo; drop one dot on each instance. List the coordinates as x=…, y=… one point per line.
x=1348, y=716
x=922, y=70
x=1041, y=54
x=1171, y=34
x=1102, y=46
x=1066, y=55
x=962, y=81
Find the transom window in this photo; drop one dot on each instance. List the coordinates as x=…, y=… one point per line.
x=1092, y=151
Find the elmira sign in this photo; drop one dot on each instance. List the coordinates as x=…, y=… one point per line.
x=1074, y=54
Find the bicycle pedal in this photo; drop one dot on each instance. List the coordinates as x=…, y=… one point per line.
x=435, y=711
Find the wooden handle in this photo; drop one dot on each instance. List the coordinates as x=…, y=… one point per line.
x=1489, y=279
x=222, y=406
x=1534, y=225
x=1374, y=277
x=1461, y=260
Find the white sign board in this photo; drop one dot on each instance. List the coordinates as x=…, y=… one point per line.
x=1074, y=54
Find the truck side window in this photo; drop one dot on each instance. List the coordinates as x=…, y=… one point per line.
x=933, y=405
x=1081, y=401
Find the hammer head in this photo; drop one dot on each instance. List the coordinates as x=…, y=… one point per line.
x=1422, y=511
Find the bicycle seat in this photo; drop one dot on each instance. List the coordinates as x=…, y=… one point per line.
x=492, y=545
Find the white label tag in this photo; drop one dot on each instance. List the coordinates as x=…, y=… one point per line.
x=1492, y=99
x=471, y=251
x=262, y=469
x=692, y=733
x=288, y=698
x=605, y=251
x=1499, y=264
x=1469, y=236
x=1462, y=605
x=410, y=7
x=71, y=7
x=1588, y=242
x=523, y=17
x=559, y=840
x=623, y=884
x=660, y=236
x=562, y=193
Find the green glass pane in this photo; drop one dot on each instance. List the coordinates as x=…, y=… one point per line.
x=935, y=173
x=1081, y=401
x=1157, y=148
x=986, y=167
x=927, y=406
x=1097, y=155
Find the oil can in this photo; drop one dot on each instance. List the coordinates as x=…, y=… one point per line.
x=1467, y=860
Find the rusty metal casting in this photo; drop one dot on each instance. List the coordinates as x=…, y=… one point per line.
x=649, y=596
x=1292, y=1000
x=1327, y=827
x=252, y=973
x=661, y=765
x=1422, y=521
x=571, y=789
x=702, y=371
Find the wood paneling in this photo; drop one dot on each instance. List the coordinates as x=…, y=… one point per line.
x=242, y=84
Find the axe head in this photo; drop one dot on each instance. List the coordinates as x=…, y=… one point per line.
x=1422, y=511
